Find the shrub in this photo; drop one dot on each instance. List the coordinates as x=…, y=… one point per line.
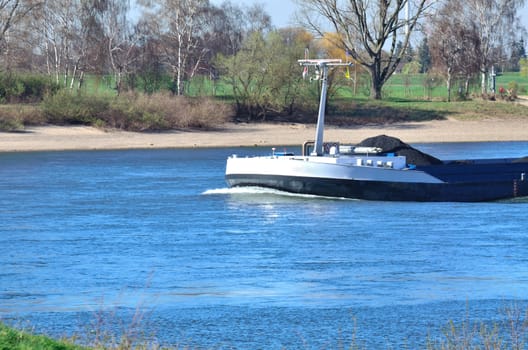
x=513, y=88
x=202, y=113
x=10, y=124
x=37, y=87
x=69, y=107
x=15, y=117
x=135, y=112
x=162, y=111
x=25, y=88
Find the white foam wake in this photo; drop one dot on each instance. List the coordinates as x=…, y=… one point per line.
x=243, y=190
x=255, y=190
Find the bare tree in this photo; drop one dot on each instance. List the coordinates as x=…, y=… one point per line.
x=94, y=36
x=369, y=31
x=455, y=47
x=120, y=39
x=481, y=29
x=12, y=12
x=497, y=25
x=59, y=28
x=180, y=26
x=149, y=69
x=230, y=28
x=238, y=23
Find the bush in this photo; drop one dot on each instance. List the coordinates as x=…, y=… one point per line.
x=513, y=88
x=15, y=117
x=135, y=112
x=37, y=87
x=163, y=111
x=70, y=107
x=25, y=88
x=10, y=124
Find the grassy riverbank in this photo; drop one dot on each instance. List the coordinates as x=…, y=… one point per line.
x=159, y=112
x=13, y=339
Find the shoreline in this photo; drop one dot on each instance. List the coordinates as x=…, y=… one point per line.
x=65, y=138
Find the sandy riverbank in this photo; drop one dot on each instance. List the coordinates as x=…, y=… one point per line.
x=233, y=135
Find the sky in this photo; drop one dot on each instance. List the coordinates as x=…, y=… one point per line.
x=282, y=11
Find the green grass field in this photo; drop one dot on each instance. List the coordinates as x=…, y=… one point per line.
x=408, y=86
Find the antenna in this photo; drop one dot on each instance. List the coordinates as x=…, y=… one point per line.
x=322, y=66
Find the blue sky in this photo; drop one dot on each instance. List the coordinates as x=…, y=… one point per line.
x=282, y=11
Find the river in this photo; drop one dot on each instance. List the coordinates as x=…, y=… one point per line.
x=152, y=242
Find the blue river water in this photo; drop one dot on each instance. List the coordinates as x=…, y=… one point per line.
x=152, y=241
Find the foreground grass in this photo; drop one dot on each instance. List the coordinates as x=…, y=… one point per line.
x=12, y=339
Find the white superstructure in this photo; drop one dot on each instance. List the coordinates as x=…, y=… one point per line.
x=361, y=167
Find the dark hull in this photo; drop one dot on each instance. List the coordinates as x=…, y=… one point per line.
x=480, y=191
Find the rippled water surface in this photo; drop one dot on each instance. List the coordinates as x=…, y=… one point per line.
x=105, y=235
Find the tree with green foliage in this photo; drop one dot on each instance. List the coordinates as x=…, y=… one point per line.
x=149, y=74
x=523, y=64
x=408, y=71
x=517, y=52
x=424, y=56
x=246, y=72
x=408, y=54
x=263, y=76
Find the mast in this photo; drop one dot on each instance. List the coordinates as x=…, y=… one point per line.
x=322, y=65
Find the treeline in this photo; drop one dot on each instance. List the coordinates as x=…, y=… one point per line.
x=139, y=46
x=148, y=46
x=163, y=45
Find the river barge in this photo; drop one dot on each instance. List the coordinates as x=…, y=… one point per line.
x=371, y=171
